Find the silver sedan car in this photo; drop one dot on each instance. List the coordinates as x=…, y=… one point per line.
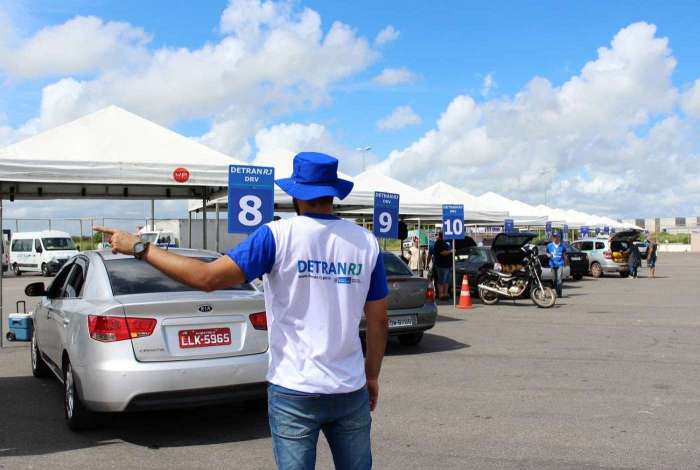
x=122, y=336
x=411, y=303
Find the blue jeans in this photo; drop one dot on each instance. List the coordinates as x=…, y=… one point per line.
x=296, y=419
x=557, y=278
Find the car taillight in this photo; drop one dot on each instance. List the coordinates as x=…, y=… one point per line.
x=430, y=294
x=259, y=320
x=108, y=329
x=607, y=255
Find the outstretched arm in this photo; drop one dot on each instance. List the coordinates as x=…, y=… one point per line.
x=223, y=272
x=377, y=330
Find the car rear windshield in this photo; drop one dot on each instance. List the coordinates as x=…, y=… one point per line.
x=131, y=276
x=58, y=243
x=393, y=266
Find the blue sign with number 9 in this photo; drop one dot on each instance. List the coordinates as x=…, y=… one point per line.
x=251, y=197
x=386, y=215
x=452, y=221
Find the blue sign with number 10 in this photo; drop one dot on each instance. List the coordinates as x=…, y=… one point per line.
x=251, y=197
x=452, y=221
x=386, y=215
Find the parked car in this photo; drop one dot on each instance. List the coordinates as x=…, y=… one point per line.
x=473, y=261
x=411, y=300
x=578, y=262
x=122, y=336
x=43, y=252
x=608, y=255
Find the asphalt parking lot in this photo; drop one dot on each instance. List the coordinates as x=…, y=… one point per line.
x=606, y=380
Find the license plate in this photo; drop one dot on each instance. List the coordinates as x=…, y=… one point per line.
x=402, y=322
x=204, y=338
x=575, y=258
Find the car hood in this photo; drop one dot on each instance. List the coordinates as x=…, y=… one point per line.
x=462, y=245
x=626, y=235
x=507, y=247
x=506, y=241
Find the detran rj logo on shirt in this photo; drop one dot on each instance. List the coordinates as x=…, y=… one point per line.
x=340, y=272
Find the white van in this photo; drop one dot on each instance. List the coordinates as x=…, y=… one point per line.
x=45, y=252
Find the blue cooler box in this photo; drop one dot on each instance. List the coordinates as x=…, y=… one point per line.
x=21, y=326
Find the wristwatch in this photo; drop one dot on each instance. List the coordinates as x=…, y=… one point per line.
x=140, y=249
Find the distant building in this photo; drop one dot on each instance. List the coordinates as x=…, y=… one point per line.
x=667, y=224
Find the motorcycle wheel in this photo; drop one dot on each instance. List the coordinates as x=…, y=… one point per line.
x=543, y=298
x=487, y=297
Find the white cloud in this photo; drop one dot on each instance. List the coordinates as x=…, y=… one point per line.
x=487, y=85
x=691, y=100
x=606, y=133
x=277, y=145
x=394, y=76
x=272, y=59
x=81, y=44
x=386, y=35
x=399, y=118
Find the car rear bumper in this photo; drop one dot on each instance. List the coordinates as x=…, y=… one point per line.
x=613, y=267
x=124, y=384
x=425, y=319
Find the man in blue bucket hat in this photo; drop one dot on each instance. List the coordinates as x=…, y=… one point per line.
x=320, y=274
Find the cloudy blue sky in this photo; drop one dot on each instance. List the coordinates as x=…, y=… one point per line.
x=597, y=101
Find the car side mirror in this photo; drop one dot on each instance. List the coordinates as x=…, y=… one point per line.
x=39, y=249
x=35, y=289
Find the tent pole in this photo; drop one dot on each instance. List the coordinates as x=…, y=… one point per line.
x=204, y=218
x=153, y=214
x=218, y=224
x=420, y=267
x=189, y=228
x=2, y=240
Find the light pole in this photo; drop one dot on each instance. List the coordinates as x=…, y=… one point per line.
x=364, y=151
x=544, y=172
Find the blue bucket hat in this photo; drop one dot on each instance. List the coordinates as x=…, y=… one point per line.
x=315, y=175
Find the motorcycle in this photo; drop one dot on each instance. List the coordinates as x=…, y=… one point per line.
x=496, y=284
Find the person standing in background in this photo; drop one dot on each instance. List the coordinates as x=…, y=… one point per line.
x=652, y=250
x=415, y=263
x=442, y=256
x=555, y=253
x=634, y=259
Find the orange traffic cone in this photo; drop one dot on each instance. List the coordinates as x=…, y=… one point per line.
x=465, y=296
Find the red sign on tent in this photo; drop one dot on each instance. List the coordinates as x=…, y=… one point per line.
x=181, y=175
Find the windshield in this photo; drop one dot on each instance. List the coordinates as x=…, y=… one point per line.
x=149, y=237
x=131, y=276
x=393, y=266
x=58, y=243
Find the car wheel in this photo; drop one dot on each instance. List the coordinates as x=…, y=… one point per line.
x=77, y=416
x=410, y=339
x=596, y=270
x=44, y=270
x=16, y=270
x=577, y=277
x=39, y=367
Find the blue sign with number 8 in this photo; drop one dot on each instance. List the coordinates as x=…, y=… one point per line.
x=251, y=197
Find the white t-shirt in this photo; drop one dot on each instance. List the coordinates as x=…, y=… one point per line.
x=318, y=272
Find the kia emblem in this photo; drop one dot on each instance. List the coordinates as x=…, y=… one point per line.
x=181, y=175
x=205, y=308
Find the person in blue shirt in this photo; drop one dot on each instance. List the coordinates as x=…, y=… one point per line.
x=555, y=252
x=322, y=276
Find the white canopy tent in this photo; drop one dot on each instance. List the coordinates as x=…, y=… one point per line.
x=110, y=154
